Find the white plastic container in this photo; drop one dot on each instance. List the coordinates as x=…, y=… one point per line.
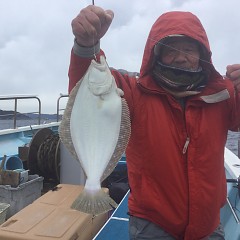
x=21, y=196
x=23, y=175
x=3, y=212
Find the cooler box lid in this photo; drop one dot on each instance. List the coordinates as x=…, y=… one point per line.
x=50, y=217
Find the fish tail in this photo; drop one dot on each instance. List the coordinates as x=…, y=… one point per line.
x=94, y=203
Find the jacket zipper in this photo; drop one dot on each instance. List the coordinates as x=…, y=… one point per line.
x=185, y=147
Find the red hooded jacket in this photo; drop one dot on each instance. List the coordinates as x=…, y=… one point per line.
x=175, y=156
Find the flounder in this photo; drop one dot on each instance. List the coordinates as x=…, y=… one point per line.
x=96, y=128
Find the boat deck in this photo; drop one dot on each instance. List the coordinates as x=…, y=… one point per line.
x=117, y=226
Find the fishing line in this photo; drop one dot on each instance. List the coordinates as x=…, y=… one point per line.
x=166, y=45
x=94, y=48
x=158, y=42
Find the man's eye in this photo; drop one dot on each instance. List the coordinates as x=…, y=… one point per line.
x=188, y=50
x=172, y=51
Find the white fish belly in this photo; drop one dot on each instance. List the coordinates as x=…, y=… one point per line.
x=95, y=126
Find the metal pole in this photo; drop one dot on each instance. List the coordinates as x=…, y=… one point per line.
x=15, y=114
x=232, y=210
x=238, y=145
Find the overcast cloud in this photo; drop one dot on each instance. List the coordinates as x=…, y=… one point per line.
x=36, y=40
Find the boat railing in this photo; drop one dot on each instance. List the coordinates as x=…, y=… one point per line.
x=15, y=112
x=58, y=104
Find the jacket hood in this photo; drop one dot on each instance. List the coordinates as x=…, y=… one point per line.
x=176, y=23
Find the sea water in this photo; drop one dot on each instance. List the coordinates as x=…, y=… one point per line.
x=9, y=124
x=232, y=141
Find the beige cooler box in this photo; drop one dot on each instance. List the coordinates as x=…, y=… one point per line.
x=51, y=218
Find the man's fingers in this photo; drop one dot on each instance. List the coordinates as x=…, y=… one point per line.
x=233, y=67
x=109, y=15
x=91, y=24
x=235, y=75
x=233, y=71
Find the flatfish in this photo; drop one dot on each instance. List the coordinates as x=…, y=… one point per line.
x=96, y=128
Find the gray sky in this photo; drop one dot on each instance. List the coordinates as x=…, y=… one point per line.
x=36, y=40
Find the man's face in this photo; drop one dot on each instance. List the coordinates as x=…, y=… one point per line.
x=181, y=52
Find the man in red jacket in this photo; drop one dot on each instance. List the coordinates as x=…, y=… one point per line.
x=181, y=110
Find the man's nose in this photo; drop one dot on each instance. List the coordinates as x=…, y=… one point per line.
x=180, y=56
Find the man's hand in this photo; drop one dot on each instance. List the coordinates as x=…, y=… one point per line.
x=91, y=24
x=233, y=72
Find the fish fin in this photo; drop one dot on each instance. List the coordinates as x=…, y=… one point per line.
x=120, y=92
x=64, y=128
x=123, y=138
x=94, y=203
